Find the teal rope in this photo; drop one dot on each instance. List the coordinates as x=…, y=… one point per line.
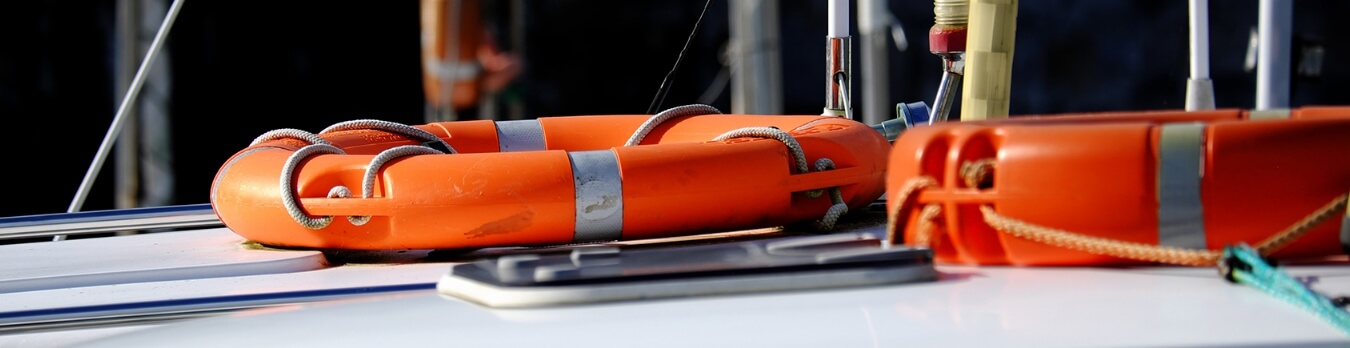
x=1243, y=265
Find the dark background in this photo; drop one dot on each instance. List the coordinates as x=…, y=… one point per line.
x=241, y=68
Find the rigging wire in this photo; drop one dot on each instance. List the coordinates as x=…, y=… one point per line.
x=120, y=119
x=665, y=83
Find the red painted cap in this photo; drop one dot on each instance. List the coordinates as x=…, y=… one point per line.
x=946, y=39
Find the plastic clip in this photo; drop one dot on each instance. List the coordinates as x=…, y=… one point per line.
x=1230, y=261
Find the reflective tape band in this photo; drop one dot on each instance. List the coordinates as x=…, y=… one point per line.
x=1181, y=214
x=447, y=69
x=1268, y=114
x=599, y=195
x=520, y=135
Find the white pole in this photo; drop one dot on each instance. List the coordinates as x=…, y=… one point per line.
x=1199, y=23
x=838, y=18
x=1274, y=27
x=873, y=22
x=756, y=76
x=1199, y=88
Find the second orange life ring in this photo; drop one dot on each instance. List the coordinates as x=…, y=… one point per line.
x=1131, y=187
x=460, y=61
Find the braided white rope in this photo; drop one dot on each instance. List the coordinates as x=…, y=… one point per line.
x=318, y=145
x=289, y=133
x=798, y=155
x=656, y=120
x=288, y=198
x=391, y=127
x=838, y=208
x=368, y=180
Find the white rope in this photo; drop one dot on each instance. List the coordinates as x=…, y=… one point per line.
x=798, y=155
x=838, y=208
x=368, y=180
x=290, y=133
x=288, y=198
x=661, y=117
x=319, y=145
x=391, y=127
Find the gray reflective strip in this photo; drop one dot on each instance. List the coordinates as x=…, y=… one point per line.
x=599, y=194
x=520, y=135
x=1268, y=114
x=1181, y=214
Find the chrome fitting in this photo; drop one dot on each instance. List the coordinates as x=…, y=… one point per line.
x=838, y=60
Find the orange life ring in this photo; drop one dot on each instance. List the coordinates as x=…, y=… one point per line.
x=1128, y=187
x=551, y=180
x=451, y=34
x=460, y=61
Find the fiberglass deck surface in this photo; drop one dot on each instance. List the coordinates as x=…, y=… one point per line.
x=967, y=306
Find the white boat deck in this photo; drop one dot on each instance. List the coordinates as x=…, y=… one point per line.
x=211, y=288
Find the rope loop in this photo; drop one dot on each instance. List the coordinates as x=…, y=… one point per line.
x=290, y=133
x=904, y=198
x=431, y=144
x=368, y=179
x=288, y=195
x=837, y=207
x=339, y=191
x=1152, y=253
x=973, y=173
x=415, y=133
x=798, y=155
x=798, y=166
x=663, y=116
x=1240, y=263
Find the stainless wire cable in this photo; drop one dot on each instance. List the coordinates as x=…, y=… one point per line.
x=120, y=118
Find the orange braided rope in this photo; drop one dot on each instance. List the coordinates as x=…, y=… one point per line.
x=975, y=171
